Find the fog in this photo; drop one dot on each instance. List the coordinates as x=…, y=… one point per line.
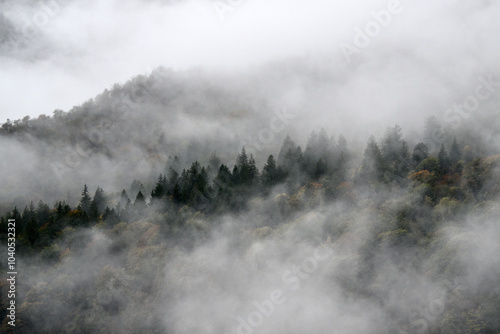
x=320, y=271
x=119, y=92
x=84, y=47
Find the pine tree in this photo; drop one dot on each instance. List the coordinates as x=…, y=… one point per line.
x=402, y=164
x=140, y=202
x=17, y=217
x=269, y=172
x=160, y=188
x=320, y=169
x=94, y=211
x=455, y=152
x=213, y=165
x=288, y=145
x=242, y=173
x=42, y=213
x=124, y=200
x=85, y=200
x=135, y=187
x=373, y=166
x=173, y=177
x=342, y=144
x=31, y=226
x=31, y=230
x=99, y=200
x=177, y=194
x=391, y=144
x=253, y=172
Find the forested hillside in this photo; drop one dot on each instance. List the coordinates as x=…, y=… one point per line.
x=203, y=247
x=249, y=167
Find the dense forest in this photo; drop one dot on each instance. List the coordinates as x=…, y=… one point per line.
x=195, y=249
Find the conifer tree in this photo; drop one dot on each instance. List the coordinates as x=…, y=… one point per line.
x=455, y=152
x=420, y=153
x=85, y=200
x=373, y=167
x=444, y=159
x=99, y=200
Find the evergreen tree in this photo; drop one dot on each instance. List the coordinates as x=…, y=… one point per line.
x=391, y=144
x=341, y=166
x=320, y=169
x=242, y=173
x=99, y=200
x=62, y=210
x=420, y=153
x=94, y=211
x=31, y=226
x=213, y=165
x=173, y=176
x=242, y=160
x=402, y=164
x=271, y=173
x=455, y=152
x=253, y=172
x=372, y=168
x=31, y=230
x=160, y=188
x=288, y=145
x=42, y=213
x=201, y=181
x=177, y=194
x=110, y=216
x=135, y=187
x=444, y=159
x=140, y=203
x=294, y=163
x=341, y=144
x=85, y=200
x=222, y=182
x=17, y=217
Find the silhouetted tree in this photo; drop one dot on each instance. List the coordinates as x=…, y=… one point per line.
x=271, y=173
x=99, y=200
x=85, y=200
x=160, y=188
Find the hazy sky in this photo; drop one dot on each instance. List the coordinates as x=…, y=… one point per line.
x=59, y=53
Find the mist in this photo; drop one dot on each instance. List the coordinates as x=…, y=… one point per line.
x=136, y=160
